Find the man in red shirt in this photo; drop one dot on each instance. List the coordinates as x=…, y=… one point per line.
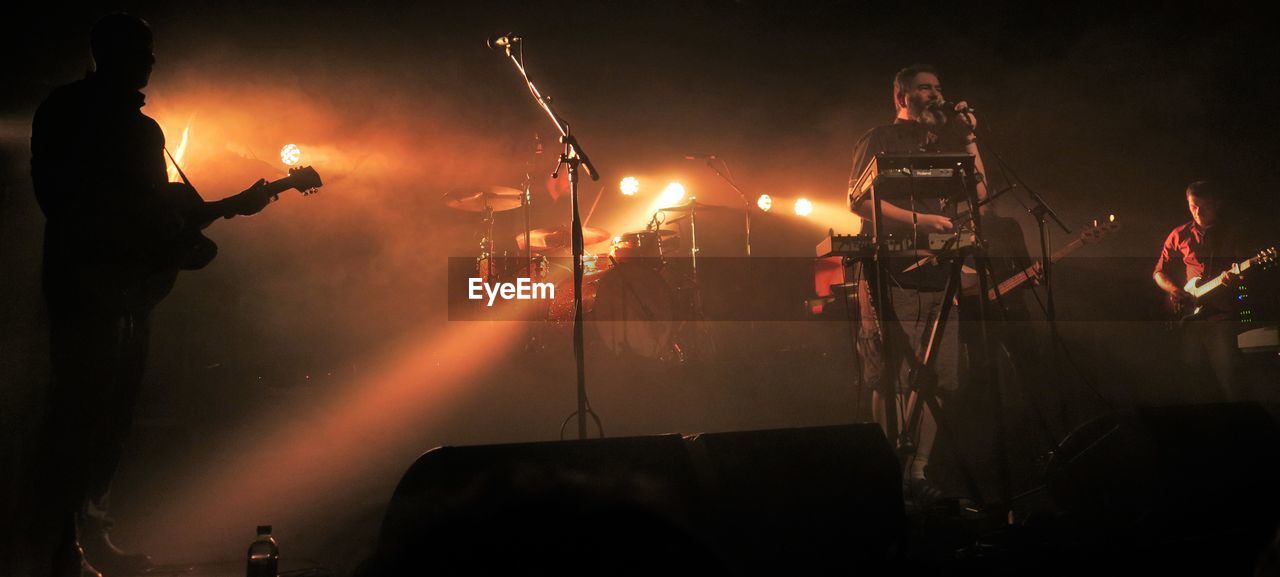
x=1205, y=247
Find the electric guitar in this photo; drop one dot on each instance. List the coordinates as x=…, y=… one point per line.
x=1088, y=236
x=1199, y=297
x=192, y=250
x=142, y=279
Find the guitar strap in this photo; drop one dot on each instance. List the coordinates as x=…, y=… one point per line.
x=179, y=169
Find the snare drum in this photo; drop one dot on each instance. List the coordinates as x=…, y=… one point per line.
x=596, y=263
x=643, y=246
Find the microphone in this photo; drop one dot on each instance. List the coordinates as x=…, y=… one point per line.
x=950, y=108
x=700, y=156
x=502, y=41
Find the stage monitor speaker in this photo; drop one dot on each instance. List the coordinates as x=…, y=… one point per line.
x=796, y=499
x=820, y=500
x=1173, y=472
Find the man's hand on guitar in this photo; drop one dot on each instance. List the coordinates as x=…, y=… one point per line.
x=1229, y=278
x=252, y=200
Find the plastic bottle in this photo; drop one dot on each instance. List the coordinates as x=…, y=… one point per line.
x=264, y=555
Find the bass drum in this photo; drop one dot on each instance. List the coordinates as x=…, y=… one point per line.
x=630, y=307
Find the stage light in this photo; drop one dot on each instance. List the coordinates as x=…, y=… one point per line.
x=290, y=154
x=765, y=202
x=804, y=207
x=671, y=196
x=629, y=186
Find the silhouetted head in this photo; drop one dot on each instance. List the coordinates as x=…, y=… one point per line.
x=121, y=45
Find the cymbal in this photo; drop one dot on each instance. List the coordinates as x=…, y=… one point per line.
x=498, y=198
x=663, y=234
x=691, y=206
x=561, y=237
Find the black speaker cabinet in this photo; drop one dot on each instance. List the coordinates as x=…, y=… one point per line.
x=1173, y=471
x=762, y=502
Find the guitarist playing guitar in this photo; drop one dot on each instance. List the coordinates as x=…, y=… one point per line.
x=116, y=234
x=1206, y=247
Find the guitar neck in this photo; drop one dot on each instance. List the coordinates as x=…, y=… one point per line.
x=1210, y=286
x=225, y=208
x=1029, y=273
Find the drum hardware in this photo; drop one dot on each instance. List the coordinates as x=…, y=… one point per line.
x=486, y=201
x=526, y=204
x=492, y=198
x=690, y=211
x=560, y=237
x=727, y=176
x=644, y=246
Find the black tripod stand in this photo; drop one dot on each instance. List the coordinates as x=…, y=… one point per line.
x=923, y=379
x=945, y=176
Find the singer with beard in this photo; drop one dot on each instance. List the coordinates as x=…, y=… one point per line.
x=925, y=122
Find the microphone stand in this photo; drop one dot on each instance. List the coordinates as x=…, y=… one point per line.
x=746, y=212
x=1040, y=211
x=573, y=157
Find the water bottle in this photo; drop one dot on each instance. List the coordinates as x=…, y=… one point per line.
x=264, y=555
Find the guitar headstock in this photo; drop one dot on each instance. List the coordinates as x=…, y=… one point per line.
x=305, y=179
x=1265, y=258
x=1098, y=231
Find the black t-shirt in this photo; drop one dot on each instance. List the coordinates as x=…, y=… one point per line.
x=97, y=163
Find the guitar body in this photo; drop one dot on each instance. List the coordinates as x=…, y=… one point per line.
x=1183, y=307
x=1201, y=299
x=191, y=250
x=146, y=277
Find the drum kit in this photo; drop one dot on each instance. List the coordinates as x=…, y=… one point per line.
x=638, y=293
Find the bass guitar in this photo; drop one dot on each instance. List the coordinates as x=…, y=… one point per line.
x=1092, y=235
x=1199, y=298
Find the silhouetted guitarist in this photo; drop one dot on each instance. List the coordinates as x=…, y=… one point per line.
x=109, y=257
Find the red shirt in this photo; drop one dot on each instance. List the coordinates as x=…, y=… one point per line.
x=1195, y=248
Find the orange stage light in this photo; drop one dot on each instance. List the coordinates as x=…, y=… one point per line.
x=671, y=195
x=629, y=186
x=290, y=154
x=804, y=207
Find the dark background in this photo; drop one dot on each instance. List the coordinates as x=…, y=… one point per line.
x=321, y=333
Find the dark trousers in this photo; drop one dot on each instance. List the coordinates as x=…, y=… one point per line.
x=1209, y=349
x=97, y=361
